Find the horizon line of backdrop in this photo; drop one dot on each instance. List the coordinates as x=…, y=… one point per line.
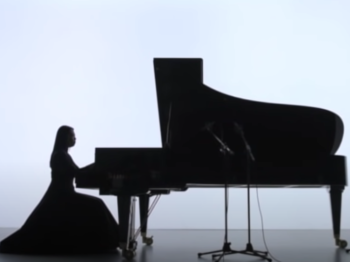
x=90, y=65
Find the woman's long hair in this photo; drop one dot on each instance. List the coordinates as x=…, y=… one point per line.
x=61, y=140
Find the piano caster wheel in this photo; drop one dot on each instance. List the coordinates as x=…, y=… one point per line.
x=133, y=245
x=341, y=243
x=128, y=254
x=147, y=240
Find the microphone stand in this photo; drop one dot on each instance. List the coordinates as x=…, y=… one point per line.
x=226, y=152
x=226, y=249
x=250, y=157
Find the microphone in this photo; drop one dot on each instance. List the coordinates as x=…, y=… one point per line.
x=239, y=130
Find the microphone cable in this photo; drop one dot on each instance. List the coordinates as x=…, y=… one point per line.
x=262, y=226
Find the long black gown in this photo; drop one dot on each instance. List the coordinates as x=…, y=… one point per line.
x=65, y=221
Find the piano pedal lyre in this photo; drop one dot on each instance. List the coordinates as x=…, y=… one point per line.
x=131, y=244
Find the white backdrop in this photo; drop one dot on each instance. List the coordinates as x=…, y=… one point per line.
x=88, y=64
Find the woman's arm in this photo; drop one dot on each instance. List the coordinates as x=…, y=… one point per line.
x=64, y=165
x=87, y=176
x=86, y=172
x=87, y=169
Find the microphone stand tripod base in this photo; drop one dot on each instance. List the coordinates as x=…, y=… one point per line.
x=226, y=250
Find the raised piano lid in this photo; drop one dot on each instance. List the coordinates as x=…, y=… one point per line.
x=186, y=105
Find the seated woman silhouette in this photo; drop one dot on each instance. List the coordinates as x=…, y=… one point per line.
x=65, y=221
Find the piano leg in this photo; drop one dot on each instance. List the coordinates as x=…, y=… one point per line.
x=336, y=197
x=144, y=205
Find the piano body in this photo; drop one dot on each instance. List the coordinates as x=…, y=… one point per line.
x=293, y=146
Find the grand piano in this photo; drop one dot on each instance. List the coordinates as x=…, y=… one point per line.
x=293, y=147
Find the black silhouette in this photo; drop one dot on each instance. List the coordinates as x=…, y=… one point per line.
x=65, y=221
x=293, y=146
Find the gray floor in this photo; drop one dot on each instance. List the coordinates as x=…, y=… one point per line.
x=183, y=245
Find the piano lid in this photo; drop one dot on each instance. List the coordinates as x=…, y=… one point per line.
x=186, y=105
